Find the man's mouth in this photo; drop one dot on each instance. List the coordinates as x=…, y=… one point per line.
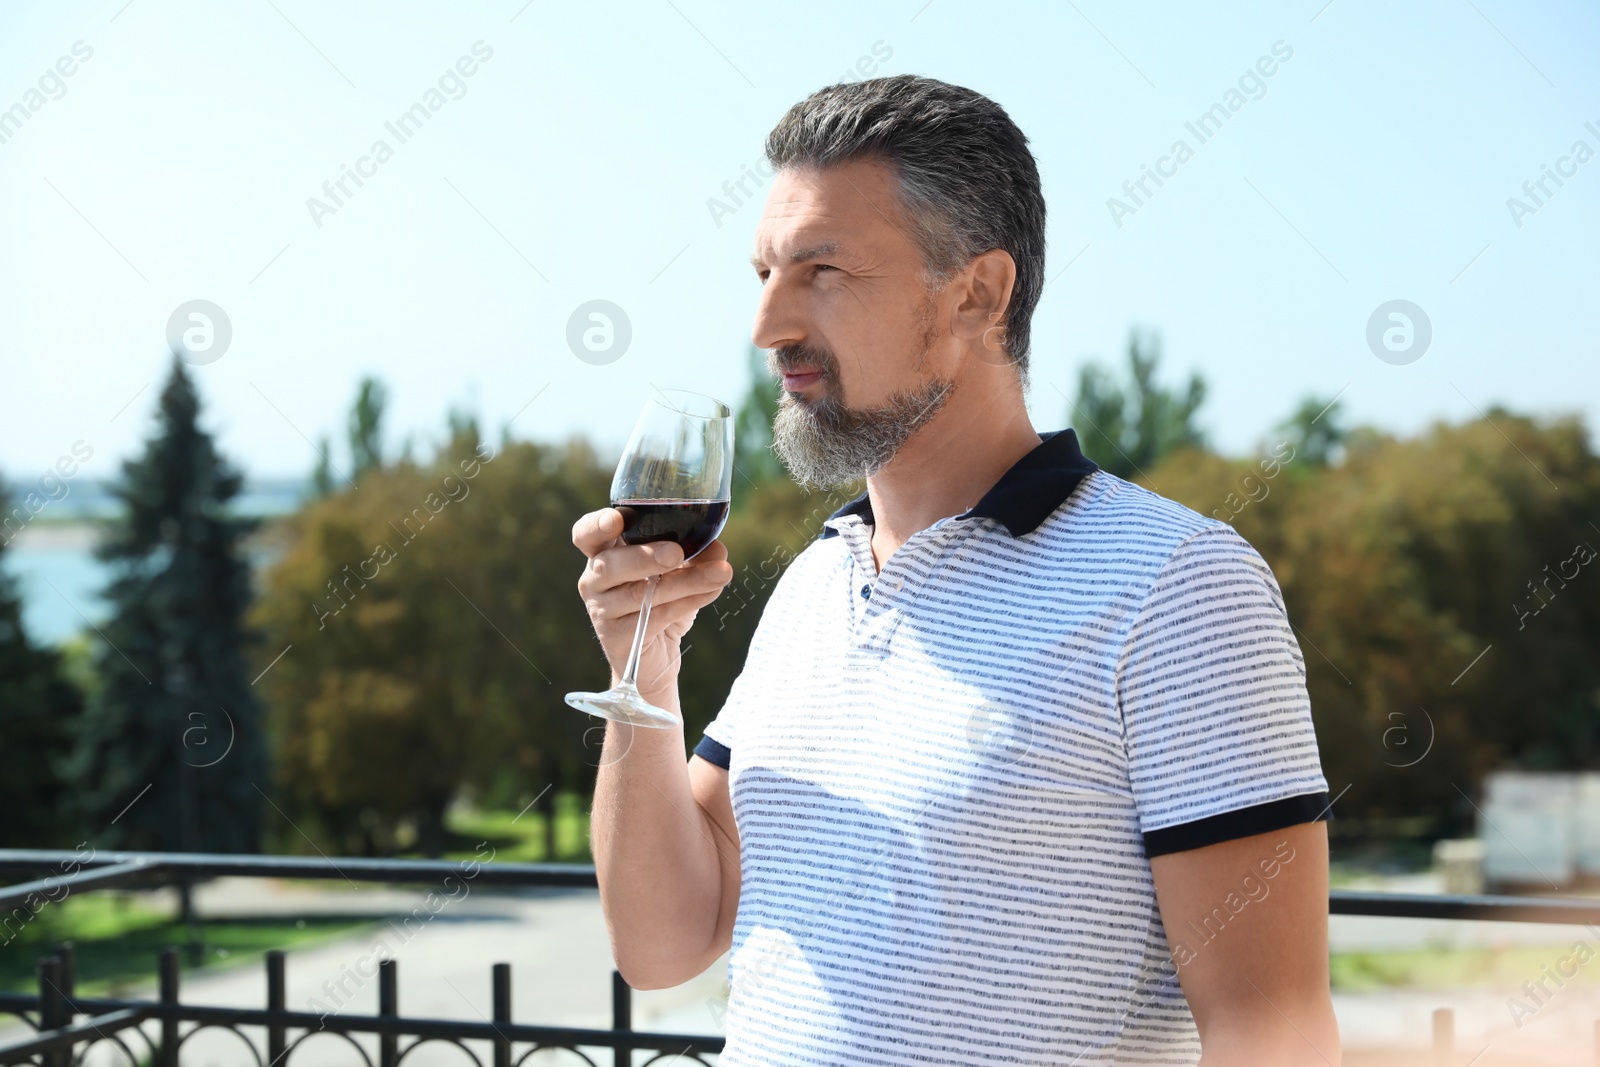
x=800, y=378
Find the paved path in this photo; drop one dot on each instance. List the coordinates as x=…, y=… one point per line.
x=1560, y=1033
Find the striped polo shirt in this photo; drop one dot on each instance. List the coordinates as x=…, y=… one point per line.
x=949, y=776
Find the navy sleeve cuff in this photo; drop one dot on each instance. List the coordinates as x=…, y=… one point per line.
x=1245, y=822
x=713, y=752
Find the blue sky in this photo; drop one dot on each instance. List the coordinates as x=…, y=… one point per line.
x=576, y=163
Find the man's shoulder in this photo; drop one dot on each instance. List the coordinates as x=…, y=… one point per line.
x=1109, y=512
x=785, y=571
x=1143, y=539
x=1161, y=545
x=817, y=558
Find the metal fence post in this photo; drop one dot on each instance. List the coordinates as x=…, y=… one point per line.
x=68, y=955
x=388, y=1007
x=276, y=1001
x=167, y=1054
x=502, y=1012
x=66, y=980
x=621, y=1016
x=1444, y=1036
x=51, y=1010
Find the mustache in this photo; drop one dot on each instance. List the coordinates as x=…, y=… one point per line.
x=792, y=357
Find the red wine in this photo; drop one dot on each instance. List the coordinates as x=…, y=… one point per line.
x=694, y=524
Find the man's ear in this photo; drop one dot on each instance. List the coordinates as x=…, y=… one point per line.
x=984, y=295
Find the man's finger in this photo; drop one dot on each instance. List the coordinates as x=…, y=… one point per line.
x=597, y=530
x=715, y=550
x=623, y=564
x=615, y=598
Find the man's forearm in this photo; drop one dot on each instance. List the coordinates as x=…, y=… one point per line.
x=657, y=860
x=1308, y=1036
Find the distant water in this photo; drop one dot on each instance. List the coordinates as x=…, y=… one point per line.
x=53, y=561
x=60, y=585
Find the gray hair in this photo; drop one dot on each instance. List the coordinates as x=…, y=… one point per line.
x=968, y=182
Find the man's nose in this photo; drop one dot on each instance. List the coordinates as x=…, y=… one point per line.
x=780, y=319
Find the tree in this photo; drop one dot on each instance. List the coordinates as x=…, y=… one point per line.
x=1129, y=429
x=435, y=627
x=322, y=473
x=171, y=750
x=366, y=426
x=1316, y=431
x=39, y=713
x=752, y=430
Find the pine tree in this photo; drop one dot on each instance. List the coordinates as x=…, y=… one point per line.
x=39, y=711
x=172, y=750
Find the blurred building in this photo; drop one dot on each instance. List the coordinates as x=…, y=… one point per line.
x=1540, y=829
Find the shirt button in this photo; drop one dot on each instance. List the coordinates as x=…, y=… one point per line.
x=866, y=592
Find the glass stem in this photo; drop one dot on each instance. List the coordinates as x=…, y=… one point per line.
x=632, y=669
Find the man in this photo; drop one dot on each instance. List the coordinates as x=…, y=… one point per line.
x=1020, y=767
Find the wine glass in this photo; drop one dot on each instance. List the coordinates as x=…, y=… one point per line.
x=673, y=484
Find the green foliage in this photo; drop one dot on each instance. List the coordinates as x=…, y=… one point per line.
x=434, y=670
x=758, y=465
x=1316, y=431
x=39, y=712
x=174, y=729
x=1128, y=428
x=1454, y=969
x=322, y=473
x=433, y=623
x=436, y=628
x=1404, y=563
x=366, y=427
x=522, y=836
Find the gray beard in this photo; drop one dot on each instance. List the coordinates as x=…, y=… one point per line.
x=826, y=445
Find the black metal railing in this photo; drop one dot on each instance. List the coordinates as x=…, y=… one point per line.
x=65, y=1024
x=58, y=1032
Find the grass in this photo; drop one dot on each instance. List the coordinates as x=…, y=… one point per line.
x=520, y=837
x=118, y=941
x=515, y=837
x=1353, y=862
x=1464, y=968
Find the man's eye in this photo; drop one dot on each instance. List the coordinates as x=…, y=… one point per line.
x=826, y=266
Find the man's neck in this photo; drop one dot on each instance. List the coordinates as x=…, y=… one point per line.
x=947, y=466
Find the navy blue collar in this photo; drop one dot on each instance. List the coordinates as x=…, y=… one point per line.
x=1024, y=496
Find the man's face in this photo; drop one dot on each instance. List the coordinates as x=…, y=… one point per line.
x=849, y=322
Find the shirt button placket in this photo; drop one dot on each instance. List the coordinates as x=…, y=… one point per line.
x=930, y=555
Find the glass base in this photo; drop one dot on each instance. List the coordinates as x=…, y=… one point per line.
x=624, y=704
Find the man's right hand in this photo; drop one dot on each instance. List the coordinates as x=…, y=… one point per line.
x=613, y=585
